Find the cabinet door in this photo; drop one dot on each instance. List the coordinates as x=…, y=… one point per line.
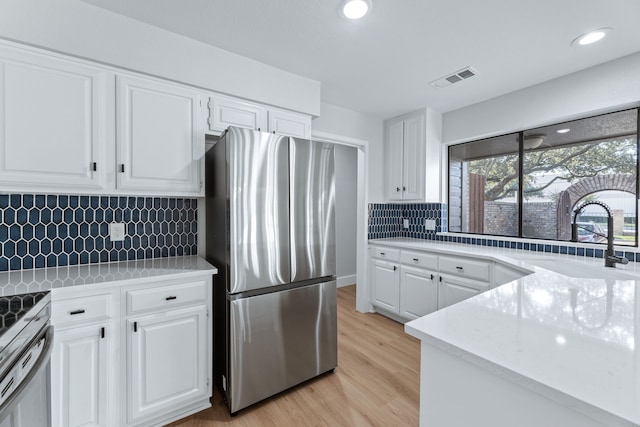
x=453, y=290
x=290, y=124
x=79, y=377
x=225, y=112
x=166, y=362
x=52, y=122
x=418, y=292
x=413, y=159
x=394, y=136
x=385, y=278
x=159, y=143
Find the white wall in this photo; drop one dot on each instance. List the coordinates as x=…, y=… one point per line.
x=607, y=87
x=84, y=30
x=341, y=121
x=346, y=213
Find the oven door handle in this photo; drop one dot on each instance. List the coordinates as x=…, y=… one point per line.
x=13, y=400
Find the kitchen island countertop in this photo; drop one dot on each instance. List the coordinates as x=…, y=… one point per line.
x=570, y=339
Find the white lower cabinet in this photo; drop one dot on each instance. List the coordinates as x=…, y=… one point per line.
x=385, y=280
x=166, y=362
x=455, y=289
x=136, y=354
x=407, y=283
x=80, y=369
x=418, y=292
x=82, y=361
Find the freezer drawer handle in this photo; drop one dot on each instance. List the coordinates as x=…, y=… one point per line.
x=74, y=312
x=171, y=297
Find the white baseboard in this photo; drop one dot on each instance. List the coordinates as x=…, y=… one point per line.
x=346, y=280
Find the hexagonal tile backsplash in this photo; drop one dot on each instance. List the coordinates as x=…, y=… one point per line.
x=38, y=230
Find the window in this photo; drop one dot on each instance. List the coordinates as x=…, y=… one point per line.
x=528, y=184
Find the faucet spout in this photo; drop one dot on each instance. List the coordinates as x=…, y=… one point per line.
x=610, y=258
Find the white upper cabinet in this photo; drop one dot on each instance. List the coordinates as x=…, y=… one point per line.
x=412, y=142
x=159, y=142
x=225, y=111
x=405, y=139
x=290, y=124
x=52, y=122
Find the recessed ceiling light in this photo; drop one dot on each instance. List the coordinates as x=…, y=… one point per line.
x=591, y=37
x=355, y=9
x=563, y=130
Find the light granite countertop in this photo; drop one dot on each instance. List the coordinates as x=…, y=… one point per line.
x=567, y=331
x=102, y=274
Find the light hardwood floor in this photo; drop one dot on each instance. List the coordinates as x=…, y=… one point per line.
x=376, y=382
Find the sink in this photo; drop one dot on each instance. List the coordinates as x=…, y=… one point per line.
x=581, y=271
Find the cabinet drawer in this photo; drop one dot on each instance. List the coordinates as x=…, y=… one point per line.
x=385, y=253
x=419, y=259
x=465, y=267
x=81, y=310
x=166, y=296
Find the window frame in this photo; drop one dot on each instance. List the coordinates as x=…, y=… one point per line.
x=520, y=199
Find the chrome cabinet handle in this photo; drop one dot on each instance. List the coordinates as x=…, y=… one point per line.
x=73, y=313
x=459, y=268
x=171, y=298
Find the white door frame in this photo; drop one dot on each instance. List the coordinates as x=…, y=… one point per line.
x=362, y=220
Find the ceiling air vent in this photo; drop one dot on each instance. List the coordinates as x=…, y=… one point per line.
x=452, y=78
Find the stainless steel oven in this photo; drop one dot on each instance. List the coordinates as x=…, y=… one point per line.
x=26, y=338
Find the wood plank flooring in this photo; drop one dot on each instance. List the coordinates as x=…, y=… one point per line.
x=376, y=382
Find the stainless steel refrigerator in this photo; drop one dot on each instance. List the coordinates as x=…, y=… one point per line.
x=271, y=233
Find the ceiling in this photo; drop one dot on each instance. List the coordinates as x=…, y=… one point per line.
x=382, y=64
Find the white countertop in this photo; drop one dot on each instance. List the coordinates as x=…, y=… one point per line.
x=103, y=274
x=572, y=339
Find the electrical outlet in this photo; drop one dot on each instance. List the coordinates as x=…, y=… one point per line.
x=116, y=231
x=405, y=223
x=430, y=224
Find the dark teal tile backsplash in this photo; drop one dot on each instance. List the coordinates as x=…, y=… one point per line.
x=38, y=230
